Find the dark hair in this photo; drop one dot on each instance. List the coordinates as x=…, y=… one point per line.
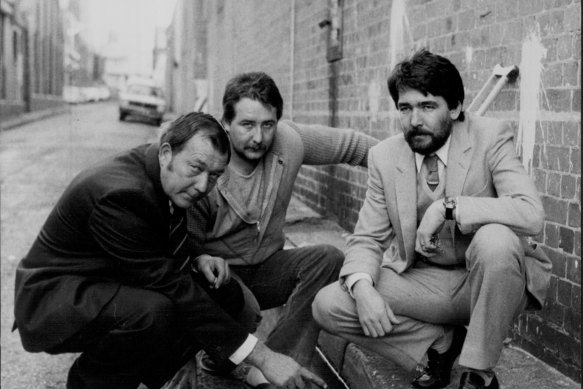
x=180, y=131
x=428, y=73
x=256, y=86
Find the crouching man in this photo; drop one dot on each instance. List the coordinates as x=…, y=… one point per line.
x=440, y=240
x=103, y=277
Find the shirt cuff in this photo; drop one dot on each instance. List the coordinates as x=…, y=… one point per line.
x=244, y=350
x=351, y=280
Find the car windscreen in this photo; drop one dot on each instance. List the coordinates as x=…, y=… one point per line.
x=145, y=90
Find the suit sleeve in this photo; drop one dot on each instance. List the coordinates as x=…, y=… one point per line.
x=373, y=231
x=327, y=145
x=516, y=205
x=127, y=225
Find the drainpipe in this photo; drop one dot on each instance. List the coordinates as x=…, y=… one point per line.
x=292, y=59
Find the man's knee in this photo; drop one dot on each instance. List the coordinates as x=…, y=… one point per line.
x=331, y=258
x=152, y=316
x=325, y=306
x=496, y=247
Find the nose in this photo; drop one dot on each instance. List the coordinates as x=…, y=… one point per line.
x=202, y=183
x=415, y=117
x=257, y=135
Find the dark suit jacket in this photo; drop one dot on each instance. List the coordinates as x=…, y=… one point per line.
x=110, y=227
x=485, y=174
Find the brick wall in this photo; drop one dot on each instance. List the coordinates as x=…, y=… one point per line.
x=283, y=39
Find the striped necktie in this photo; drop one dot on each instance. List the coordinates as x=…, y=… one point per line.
x=431, y=170
x=177, y=237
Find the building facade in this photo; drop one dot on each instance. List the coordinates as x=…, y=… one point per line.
x=186, y=57
x=32, y=60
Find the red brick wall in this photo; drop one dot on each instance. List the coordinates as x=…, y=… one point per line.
x=258, y=35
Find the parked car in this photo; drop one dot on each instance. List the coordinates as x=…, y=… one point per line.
x=142, y=99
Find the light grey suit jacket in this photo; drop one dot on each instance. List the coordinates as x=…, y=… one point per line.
x=483, y=171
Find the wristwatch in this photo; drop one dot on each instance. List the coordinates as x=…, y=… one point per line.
x=449, y=203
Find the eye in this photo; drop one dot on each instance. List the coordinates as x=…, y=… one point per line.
x=267, y=126
x=428, y=107
x=247, y=125
x=404, y=109
x=195, y=170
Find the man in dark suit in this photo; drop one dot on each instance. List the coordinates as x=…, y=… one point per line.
x=104, y=275
x=441, y=238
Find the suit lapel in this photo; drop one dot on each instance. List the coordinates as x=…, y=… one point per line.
x=406, y=195
x=458, y=163
x=459, y=158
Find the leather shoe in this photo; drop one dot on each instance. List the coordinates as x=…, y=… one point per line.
x=437, y=374
x=471, y=380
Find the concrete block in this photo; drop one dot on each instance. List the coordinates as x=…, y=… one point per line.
x=333, y=347
x=365, y=370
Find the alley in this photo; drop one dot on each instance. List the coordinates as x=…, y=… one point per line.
x=37, y=161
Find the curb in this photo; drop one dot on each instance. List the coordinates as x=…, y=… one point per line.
x=29, y=117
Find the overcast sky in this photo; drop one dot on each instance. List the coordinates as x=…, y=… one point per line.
x=132, y=21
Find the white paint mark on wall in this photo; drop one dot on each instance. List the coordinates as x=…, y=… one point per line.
x=399, y=32
x=533, y=52
x=469, y=54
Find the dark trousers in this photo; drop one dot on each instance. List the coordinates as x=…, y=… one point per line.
x=138, y=338
x=292, y=278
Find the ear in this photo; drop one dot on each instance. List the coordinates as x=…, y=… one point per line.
x=164, y=154
x=455, y=113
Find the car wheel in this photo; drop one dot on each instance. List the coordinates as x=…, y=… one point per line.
x=122, y=116
x=158, y=122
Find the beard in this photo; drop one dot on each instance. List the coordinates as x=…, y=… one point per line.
x=436, y=140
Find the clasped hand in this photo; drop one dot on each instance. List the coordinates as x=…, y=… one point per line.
x=427, y=241
x=215, y=269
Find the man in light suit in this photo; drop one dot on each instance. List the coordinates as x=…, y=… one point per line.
x=440, y=243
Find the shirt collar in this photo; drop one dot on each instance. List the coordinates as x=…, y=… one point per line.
x=441, y=153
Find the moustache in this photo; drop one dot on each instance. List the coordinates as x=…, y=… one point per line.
x=419, y=131
x=259, y=147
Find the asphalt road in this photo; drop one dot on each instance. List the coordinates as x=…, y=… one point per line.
x=37, y=161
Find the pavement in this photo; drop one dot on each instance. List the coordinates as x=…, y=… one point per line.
x=19, y=120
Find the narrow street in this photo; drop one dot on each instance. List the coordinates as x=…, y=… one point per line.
x=37, y=161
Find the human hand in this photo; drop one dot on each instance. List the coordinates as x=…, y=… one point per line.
x=374, y=313
x=215, y=269
x=281, y=370
x=427, y=241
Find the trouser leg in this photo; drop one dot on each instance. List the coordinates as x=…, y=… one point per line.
x=293, y=277
x=495, y=293
x=405, y=345
x=132, y=331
